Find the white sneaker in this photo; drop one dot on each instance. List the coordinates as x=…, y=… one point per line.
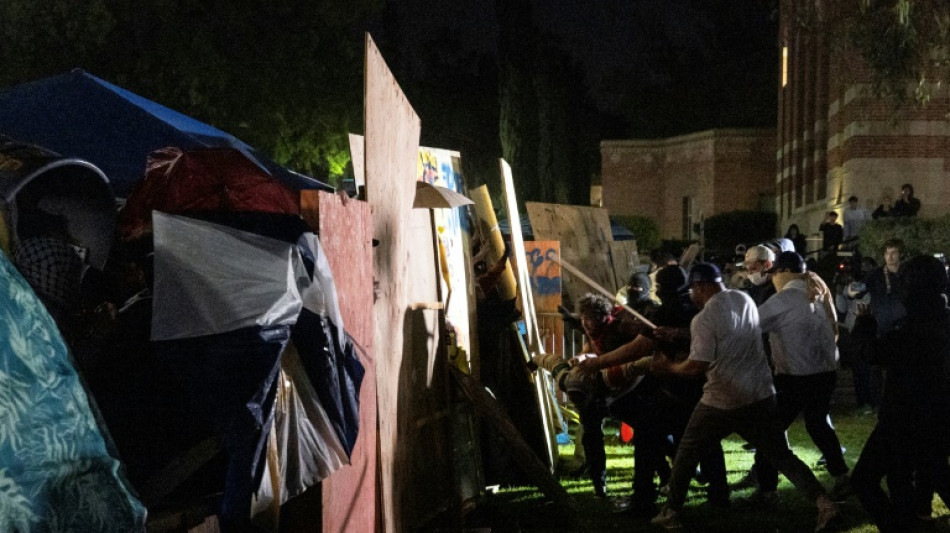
x=667, y=519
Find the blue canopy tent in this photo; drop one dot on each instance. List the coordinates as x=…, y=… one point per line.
x=79, y=115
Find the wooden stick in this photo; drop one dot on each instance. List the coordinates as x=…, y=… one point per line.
x=573, y=270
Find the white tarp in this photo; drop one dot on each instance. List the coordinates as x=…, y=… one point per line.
x=225, y=278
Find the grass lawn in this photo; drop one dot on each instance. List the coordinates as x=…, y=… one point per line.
x=525, y=509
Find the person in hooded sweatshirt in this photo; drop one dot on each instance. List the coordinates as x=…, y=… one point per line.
x=910, y=443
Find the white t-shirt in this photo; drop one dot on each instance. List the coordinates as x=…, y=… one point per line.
x=726, y=334
x=800, y=332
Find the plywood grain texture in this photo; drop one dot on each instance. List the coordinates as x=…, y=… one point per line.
x=624, y=259
x=392, y=130
x=346, y=234
x=584, y=233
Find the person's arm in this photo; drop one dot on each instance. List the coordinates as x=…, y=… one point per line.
x=688, y=368
x=638, y=348
x=770, y=315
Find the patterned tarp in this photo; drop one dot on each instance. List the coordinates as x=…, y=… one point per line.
x=56, y=472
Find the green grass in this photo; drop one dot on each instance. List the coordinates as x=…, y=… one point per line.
x=525, y=509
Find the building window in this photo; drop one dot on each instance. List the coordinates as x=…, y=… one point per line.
x=784, y=65
x=687, y=217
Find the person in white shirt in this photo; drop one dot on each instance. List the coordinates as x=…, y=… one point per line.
x=738, y=397
x=800, y=321
x=855, y=217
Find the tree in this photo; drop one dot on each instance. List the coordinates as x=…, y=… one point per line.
x=284, y=76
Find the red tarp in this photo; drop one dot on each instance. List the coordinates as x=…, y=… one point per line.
x=202, y=180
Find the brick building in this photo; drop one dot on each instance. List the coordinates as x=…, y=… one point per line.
x=835, y=139
x=676, y=180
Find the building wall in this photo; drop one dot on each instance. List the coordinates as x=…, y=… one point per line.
x=720, y=170
x=836, y=140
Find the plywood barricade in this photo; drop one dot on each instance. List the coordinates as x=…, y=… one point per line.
x=625, y=260
x=345, y=227
x=545, y=275
x=415, y=445
x=585, y=236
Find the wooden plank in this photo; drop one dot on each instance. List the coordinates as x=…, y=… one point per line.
x=490, y=410
x=346, y=234
x=392, y=130
x=358, y=159
x=584, y=234
x=534, y=345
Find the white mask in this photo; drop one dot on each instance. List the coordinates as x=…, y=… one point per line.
x=758, y=278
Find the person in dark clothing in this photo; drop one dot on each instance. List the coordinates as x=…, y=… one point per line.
x=883, y=285
x=794, y=235
x=907, y=205
x=659, y=407
x=912, y=436
x=832, y=234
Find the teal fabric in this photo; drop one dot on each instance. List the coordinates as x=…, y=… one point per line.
x=56, y=473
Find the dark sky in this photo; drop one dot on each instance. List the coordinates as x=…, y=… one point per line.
x=712, y=62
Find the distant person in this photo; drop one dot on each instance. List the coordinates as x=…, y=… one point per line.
x=883, y=285
x=886, y=204
x=798, y=240
x=831, y=234
x=726, y=346
x=850, y=294
x=907, y=205
x=855, y=217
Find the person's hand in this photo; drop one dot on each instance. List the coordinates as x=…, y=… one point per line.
x=585, y=363
x=665, y=334
x=862, y=309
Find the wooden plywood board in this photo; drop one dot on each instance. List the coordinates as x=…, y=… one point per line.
x=346, y=233
x=358, y=159
x=584, y=234
x=392, y=131
x=442, y=168
x=624, y=259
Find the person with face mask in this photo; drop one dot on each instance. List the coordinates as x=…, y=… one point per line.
x=758, y=261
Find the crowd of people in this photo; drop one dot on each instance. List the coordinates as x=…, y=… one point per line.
x=748, y=355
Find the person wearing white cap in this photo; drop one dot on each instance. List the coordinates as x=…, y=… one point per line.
x=758, y=261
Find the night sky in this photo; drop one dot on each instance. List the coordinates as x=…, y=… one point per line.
x=653, y=67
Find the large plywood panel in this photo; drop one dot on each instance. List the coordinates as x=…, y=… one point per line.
x=625, y=260
x=392, y=131
x=545, y=274
x=452, y=231
x=346, y=233
x=585, y=236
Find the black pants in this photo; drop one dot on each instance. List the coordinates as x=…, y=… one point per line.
x=810, y=396
x=888, y=453
x=655, y=417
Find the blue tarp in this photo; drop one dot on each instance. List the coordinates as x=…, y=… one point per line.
x=79, y=115
x=56, y=470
